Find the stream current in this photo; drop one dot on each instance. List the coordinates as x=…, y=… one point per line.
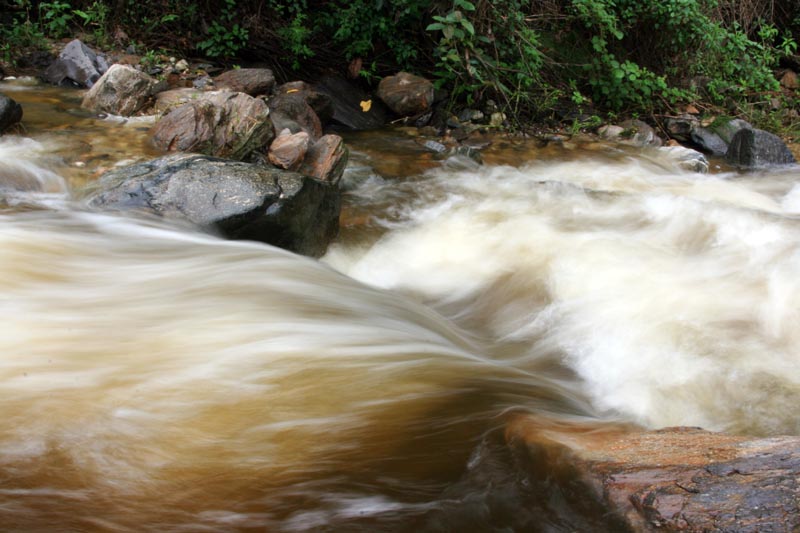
x=154, y=377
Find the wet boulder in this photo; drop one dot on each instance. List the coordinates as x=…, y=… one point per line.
x=10, y=113
x=219, y=123
x=291, y=111
x=686, y=158
x=76, y=66
x=754, y=148
x=166, y=100
x=240, y=200
x=675, y=479
x=406, y=94
x=122, y=90
x=319, y=102
x=709, y=141
x=326, y=159
x=727, y=128
x=289, y=149
x=253, y=81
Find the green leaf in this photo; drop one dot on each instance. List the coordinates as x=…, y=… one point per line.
x=435, y=26
x=468, y=26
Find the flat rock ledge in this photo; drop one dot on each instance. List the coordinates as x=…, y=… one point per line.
x=239, y=200
x=674, y=479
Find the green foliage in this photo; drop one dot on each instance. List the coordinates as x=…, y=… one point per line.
x=296, y=36
x=488, y=49
x=55, y=17
x=95, y=19
x=226, y=38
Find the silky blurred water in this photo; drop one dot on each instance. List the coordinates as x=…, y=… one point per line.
x=154, y=377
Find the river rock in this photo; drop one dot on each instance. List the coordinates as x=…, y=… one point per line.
x=353, y=109
x=10, y=113
x=754, y=148
x=167, y=100
x=406, y=94
x=289, y=149
x=676, y=479
x=686, y=158
x=681, y=127
x=219, y=123
x=726, y=129
x=789, y=80
x=77, y=65
x=291, y=111
x=241, y=200
x=709, y=141
x=326, y=159
x=253, y=81
x=638, y=133
x=319, y=102
x=122, y=90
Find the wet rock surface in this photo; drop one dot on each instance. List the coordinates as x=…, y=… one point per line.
x=122, y=90
x=291, y=111
x=406, y=94
x=675, y=479
x=10, y=113
x=219, y=123
x=754, y=148
x=253, y=81
x=240, y=200
x=76, y=66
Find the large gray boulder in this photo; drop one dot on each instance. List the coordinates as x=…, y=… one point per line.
x=219, y=123
x=754, y=148
x=240, y=200
x=122, y=90
x=77, y=65
x=709, y=141
x=10, y=113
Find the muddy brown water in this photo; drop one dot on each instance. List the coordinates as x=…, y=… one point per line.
x=157, y=378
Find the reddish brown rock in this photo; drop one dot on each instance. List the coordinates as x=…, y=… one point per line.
x=326, y=159
x=220, y=123
x=288, y=149
x=675, y=479
x=789, y=80
x=253, y=81
x=406, y=94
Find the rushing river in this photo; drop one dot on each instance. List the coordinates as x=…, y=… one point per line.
x=157, y=378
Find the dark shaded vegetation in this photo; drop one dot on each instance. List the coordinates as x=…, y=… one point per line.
x=539, y=60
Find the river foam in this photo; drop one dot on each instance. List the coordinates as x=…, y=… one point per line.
x=672, y=295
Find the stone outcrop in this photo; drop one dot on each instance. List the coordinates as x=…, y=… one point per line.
x=240, y=200
x=676, y=479
x=10, y=113
x=77, y=66
x=219, y=123
x=291, y=111
x=406, y=94
x=169, y=99
x=289, y=149
x=253, y=81
x=122, y=90
x=754, y=148
x=326, y=159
